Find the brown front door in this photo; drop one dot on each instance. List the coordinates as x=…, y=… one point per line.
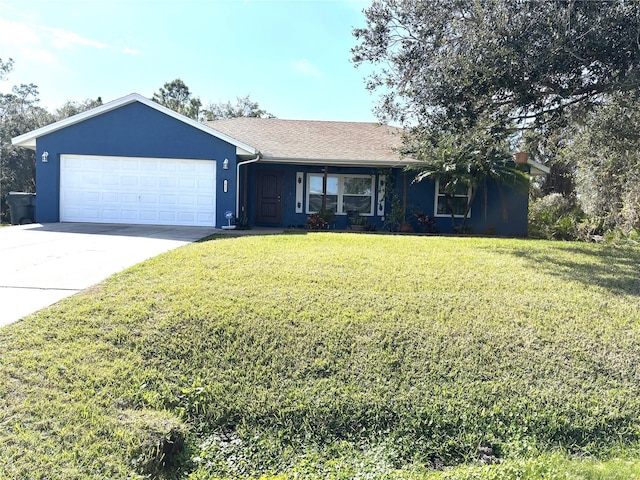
x=269, y=197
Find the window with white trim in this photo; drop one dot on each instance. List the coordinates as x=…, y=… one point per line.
x=456, y=203
x=345, y=193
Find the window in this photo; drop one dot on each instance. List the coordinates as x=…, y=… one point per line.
x=448, y=204
x=345, y=193
x=314, y=201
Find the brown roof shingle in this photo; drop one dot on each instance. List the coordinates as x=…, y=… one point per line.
x=310, y=141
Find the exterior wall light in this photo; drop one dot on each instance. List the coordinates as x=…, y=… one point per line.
x=45, y=157
x=225, y=164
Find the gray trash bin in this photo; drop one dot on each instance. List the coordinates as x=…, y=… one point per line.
x=21, y=207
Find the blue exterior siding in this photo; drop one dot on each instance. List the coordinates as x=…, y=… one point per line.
x=133, y=130
x=289, y=216
x=137, y=130
x=504, y=214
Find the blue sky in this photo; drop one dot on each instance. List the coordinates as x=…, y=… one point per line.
x=292, y=57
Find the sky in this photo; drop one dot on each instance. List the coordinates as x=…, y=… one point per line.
x=291, y=56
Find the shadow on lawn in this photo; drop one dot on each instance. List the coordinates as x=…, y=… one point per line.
x=611, y=268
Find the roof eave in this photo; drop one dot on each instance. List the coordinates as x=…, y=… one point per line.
x=384, y=163
x=537, y=168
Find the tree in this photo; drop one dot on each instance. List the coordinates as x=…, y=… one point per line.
x=244, y=107
x=608, y=180
x=176, y=96
x=449, y=70
x=5, y=68
x=454, y=62
x=19, y=113
x=71, y=107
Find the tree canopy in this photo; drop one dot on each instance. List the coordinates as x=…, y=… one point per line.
x=451, y=63
x=5, y=68
x=458, y=73
x=177, y=96
x=244, y=107
x=72, y=107
x=19, y=113
x=607, y=175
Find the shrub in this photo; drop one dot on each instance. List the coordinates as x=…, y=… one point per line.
x=316, y=222
x=556, y=217
x=320, y=220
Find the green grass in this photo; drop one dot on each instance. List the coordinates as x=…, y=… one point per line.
x=334, y=356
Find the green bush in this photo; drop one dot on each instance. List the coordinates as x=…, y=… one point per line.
x=555, y=217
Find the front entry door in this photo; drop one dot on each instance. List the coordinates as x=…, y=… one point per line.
x=269, y=197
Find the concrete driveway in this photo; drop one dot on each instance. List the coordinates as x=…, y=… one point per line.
x=41, y=264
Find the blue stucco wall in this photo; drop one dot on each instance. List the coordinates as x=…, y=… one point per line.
x=133, y=130
x=289, y=216
x=505, y=213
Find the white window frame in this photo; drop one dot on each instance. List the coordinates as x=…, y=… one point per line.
x=340, y=195
x=439, y=196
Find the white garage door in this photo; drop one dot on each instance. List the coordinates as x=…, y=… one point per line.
x=153, y=191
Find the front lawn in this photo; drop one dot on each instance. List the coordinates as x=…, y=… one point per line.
x=334, y=356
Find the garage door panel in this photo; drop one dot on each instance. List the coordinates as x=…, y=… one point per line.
x=92, y=197
x=111, y=197
x=91, y=179
x=167, y=182
x=186, y=200
x=204, y=200
x=128, y=181
x=137, y=190
x=129, y=216
x=205, y=218
x=91, y=213
x=148, y=166
x=186, y=183
x=147, y=198
x=130, y=198
x=113, y=215
x=74, y=178
x=167, y=200
x=130, y=166
x=167, y=168
x=149, y=182
x=187, y=217
x=148, y=216
x=167, y=216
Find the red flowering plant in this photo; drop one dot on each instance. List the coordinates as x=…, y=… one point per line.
x=426, y=222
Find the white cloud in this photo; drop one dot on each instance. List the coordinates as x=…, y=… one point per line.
x=306, y=68
x=30, y=43
x=130, y=51
x=64, y=39
x=23, y=42
x=16, y=34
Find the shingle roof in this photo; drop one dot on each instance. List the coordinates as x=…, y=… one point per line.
x=308, y=141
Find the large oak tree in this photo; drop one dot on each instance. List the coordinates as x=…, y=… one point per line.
x=461, y=73
x=449, y=63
